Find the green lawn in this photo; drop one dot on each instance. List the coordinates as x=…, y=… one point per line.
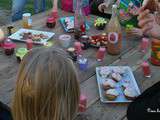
x=6, y=4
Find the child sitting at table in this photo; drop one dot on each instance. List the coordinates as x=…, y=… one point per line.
x=47, y=87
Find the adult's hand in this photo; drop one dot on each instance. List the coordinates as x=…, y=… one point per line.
x=148, y=23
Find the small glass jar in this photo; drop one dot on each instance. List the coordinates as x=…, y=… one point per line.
x=27, y=20
x=85, y=41
x=20, y=53
x=9, y=47
x=65, y=40
x=51, y=22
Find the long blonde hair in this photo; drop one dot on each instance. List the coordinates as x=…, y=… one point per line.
x=47, y=87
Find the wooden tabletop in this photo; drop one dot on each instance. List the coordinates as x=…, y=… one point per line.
x=130, y=56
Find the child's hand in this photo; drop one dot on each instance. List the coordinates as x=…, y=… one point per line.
x=136, y=32
x=148, y=24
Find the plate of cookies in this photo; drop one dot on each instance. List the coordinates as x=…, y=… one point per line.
x=116, y=84
x=38, y=37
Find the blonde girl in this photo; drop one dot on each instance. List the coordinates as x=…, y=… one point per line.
x=47, y=87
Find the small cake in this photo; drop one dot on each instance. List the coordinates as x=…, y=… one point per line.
x=111, y=94
x=116, y=76
x=100, y=23
x=119, y=70
x=125, y=85
x=104, y=72
x=109, y=84
x=130, y=93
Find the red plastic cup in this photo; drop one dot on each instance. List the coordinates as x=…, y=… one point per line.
x=101, y=53
x=144, y=45
x=146, y=69
x=78, y=48
x=9, y=47
x=83, y=103
x=29, y=44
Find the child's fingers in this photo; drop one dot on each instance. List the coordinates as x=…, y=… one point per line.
x=144, y=22
x=143, y=14
x=147, y=28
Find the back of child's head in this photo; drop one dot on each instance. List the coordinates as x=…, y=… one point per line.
x=47, y=87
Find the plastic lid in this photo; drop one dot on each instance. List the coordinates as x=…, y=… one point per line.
x=50, y=19
x=85, y=36
x=114, y=6
x=64, y=37
x=21, y=52
x=26, y=14
x=145, y=64
x=71, y=49
x=8, y=44
x=102, y=49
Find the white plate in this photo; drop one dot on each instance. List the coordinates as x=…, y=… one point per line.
x=127, y=76
x=16, y=36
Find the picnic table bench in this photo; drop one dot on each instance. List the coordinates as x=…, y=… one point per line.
x=130, y=56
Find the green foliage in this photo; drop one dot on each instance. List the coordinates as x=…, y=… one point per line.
x=6, y=4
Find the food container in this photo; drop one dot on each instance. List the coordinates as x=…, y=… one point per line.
x=20, y=53
x=127, y=80
x=9, y=47
x=85, y=41
x=65, y=40
x=155, y=52
x=27, y=20
x=51, y=22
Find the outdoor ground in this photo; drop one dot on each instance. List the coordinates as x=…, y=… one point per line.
x=5, y=9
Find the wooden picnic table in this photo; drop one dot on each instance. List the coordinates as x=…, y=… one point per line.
x=130, y=56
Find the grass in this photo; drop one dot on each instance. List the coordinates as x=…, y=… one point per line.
x=6, y=4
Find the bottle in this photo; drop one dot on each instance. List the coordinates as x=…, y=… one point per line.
x=114, y=32
x=101, y=53
x=146, y=69
x=79, y=21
